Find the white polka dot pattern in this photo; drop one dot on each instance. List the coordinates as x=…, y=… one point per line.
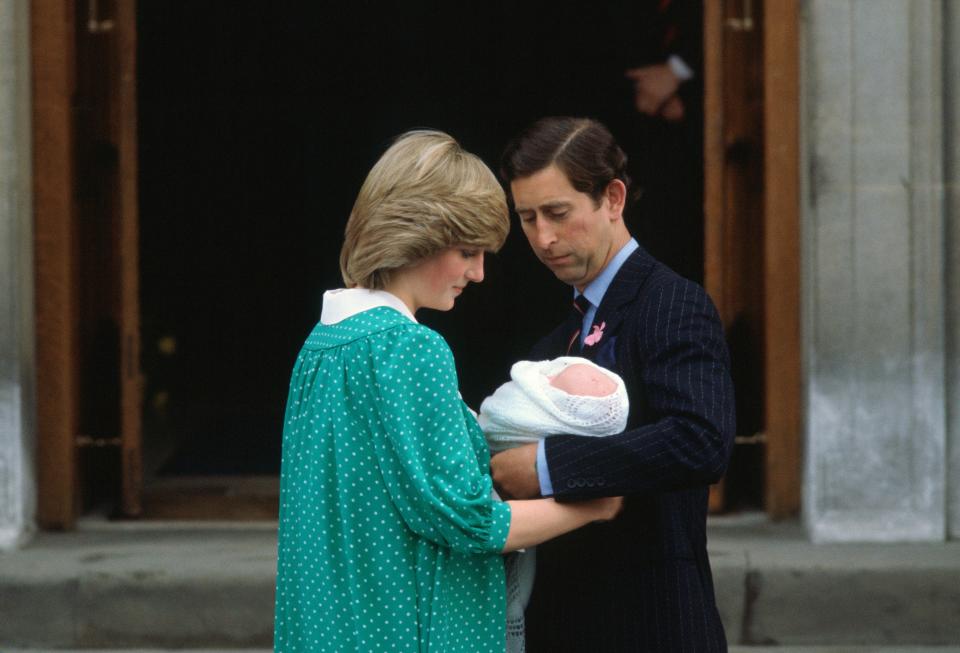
x=389, y=540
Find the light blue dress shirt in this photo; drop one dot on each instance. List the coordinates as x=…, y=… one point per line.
x=594, y=293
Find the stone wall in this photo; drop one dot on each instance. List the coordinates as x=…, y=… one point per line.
x=875, y=300
x=17, y=484
x=951, y=134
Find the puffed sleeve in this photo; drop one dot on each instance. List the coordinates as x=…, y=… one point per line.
x=436, y=475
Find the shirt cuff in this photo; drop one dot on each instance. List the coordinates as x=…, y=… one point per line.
x=679, y=68
x=543, y=473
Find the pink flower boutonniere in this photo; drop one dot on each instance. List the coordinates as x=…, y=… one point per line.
x=595, y=335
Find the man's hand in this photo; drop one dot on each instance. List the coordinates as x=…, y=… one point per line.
x=515, y=472
x=673, y=110
x=654, y=86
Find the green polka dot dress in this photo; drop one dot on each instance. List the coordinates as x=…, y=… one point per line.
x=389, y=539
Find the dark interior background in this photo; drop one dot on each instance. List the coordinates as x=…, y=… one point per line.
x=258, y=122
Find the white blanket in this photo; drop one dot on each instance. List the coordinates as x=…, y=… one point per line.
x=527, y=408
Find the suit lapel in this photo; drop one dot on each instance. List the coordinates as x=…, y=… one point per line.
x=616, y=301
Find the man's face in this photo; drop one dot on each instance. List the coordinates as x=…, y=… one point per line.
x=568, y=232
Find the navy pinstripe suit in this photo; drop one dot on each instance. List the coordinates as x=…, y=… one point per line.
x=643, y=581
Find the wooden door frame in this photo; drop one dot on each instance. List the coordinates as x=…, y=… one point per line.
x=782, y=366
x=53, y=30
x=783, y=358
x=53, y=81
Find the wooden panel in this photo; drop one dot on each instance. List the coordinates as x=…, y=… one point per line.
x=713, y=172
x=713, y=150
x=733, y=209
x=782, y=255
x=742, y=302
x=131, y=378
x=733, y=170
x=52, y=41
x=98, y=217
x=106, y=210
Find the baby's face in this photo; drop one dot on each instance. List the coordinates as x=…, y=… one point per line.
x=583, y=380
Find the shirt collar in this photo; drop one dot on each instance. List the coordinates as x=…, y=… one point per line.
x=597, y=288
x=342, y=303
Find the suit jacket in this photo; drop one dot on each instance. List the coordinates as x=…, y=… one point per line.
x=641, y=582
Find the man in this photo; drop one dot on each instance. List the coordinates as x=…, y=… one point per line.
x=643, y=581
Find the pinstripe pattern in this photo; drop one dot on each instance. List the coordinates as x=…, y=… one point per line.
x=642, y=582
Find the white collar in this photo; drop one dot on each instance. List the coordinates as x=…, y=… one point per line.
x=597, y=288
x=342, y=303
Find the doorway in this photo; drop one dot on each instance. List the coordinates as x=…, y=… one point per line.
x=255, y=128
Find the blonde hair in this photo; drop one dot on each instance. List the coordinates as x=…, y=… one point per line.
x=425, y=194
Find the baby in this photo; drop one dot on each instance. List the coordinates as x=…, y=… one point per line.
x=564, y=395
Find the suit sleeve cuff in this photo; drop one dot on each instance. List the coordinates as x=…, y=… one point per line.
x=543, y=472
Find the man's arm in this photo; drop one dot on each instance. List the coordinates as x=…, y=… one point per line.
x=674, y=46
x=680, y=360
x=516, y=473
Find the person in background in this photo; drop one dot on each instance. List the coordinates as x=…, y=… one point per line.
x=667, y=55
x=660, y=126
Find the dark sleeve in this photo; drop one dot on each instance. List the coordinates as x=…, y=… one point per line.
x=651, y=36
x=679, y=357
x=685, y=19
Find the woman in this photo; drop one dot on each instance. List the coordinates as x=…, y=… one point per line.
x=389, y=537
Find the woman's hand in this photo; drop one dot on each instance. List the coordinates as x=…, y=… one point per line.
x=538, y=520
x=607, y=508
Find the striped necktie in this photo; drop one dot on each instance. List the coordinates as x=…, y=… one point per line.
x=580, y=306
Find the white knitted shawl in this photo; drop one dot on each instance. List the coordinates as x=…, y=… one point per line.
x=527, y=408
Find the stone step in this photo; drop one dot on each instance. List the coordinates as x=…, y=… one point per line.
x=156, y=585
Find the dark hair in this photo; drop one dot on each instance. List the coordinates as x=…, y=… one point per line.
x=582, y=148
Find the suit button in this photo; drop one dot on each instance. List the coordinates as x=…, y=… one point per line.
x=590, y=483
x=601, y=482
x=571, y=484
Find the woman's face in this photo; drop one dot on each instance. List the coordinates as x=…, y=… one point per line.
x=437, y=281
